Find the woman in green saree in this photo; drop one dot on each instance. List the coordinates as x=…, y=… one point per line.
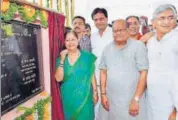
x=75, y=71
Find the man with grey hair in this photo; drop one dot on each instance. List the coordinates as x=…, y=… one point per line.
x=163, y=65
x=150, y=34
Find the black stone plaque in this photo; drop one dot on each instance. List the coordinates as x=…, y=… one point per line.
x=20, y=75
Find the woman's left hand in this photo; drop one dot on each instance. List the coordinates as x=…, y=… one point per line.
x=172, y=115
x=95, y=97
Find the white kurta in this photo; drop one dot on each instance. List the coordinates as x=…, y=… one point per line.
x=163, y=67
x=98, y=44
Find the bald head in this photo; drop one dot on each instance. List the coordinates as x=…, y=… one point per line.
x=120, y=23
x=120, y=30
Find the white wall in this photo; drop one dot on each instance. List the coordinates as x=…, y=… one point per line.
x=119, y=8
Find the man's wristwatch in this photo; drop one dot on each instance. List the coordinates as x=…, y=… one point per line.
x=137, y=99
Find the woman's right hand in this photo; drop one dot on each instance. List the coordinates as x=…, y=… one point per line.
x=105, y=102
x=63, y=55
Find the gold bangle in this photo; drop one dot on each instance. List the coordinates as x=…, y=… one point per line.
x=103, y=93
x=61, y=65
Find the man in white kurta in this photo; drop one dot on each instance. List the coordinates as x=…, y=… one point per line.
x=99, y=40
x=163, y=65
x=174, y=35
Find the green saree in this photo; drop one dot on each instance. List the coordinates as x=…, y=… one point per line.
x=76, y=89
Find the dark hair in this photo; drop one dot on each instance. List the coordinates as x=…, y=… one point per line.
x=110, y=25
x=133, y=16
x=79, y=17
x=99, y=10
x=65, y=35
x=70, y=31
x=87, y=26
x=67, y=29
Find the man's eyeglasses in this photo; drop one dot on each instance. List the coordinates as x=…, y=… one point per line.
x=120, y=30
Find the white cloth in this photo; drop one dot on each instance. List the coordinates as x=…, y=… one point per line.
x=175, y=92
x=98, y=43
x=175, y=80
x=163, y=67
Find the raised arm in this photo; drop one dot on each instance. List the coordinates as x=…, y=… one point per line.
x=60, y=70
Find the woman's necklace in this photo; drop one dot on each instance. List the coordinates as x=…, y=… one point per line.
x=73, y=58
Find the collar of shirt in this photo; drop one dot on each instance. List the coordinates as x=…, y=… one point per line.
x=125, y=46
x=176, y=28
x=167, y=36
x=106, y=30
x=84, y=37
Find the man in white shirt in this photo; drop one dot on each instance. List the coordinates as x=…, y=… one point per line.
x=163, y=66
x=99, y=40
